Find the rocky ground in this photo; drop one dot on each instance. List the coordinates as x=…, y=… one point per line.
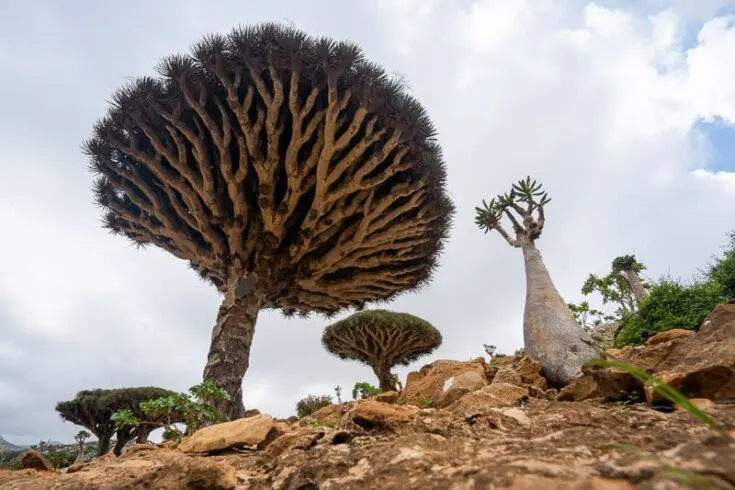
x=487, y=426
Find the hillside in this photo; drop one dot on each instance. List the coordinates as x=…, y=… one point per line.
x=8, y=446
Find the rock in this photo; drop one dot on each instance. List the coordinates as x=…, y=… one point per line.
x=613, y=352
x=303, y=439
x=432, y=382
x=241, y=432
x=704, y=404
x=328, y=416
x=507, y=374
x=700, y=365
x=375, y=415
x=456, y=387
x=669, y=335
x=34, y=461
x=534, y=482
x=530, y=372
x=580, y=389
x=279, y=428
x=494, y=395
x=387, y=397
x=250, y=413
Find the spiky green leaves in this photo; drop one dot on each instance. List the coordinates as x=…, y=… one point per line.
x=283, y=156
x=525, y=198
x=381, y=339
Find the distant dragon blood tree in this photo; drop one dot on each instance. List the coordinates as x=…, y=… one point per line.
x=93, y=410
x=288, y=171
x=381, y=339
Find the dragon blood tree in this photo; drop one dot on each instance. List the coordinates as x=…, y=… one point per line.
x=94, y=409
x=550, y=332
x=288, y=171
x=381, y=339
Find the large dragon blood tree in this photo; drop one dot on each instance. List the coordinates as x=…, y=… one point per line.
x=381, y=339
x=288, y=171
x=550, y=332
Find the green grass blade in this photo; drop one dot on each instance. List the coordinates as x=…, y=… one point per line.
x=664, y=389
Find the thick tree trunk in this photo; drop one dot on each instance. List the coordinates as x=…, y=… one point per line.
x=384, y=378
x=142, y=434
x=550, y=333
x=229, y=353
x=103, y=444
x=635, y=283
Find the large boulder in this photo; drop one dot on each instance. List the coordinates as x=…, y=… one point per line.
x=669, y=335
x=494, y=395
x=530, y=372
x=443, y=382
x=375, y=415
x=241, y=432
x=700, y=365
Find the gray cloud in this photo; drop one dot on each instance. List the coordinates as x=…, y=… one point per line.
x=513, y=90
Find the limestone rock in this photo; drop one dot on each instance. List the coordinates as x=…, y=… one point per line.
x=580, y=389
x=494, y=395
x=530, y=372
x=669, y=335
x=241, y=432
x=704, y=404
x=301, y=439
x=387, y=397
x=328, y=416
x=507, y=374
x=701, y=365
x=443, y=382
x=375, y=415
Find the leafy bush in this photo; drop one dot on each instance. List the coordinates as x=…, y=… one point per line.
x=194, y=408
x=311, y=403
x=723, y=270
x=363, y=390
x=670, y=304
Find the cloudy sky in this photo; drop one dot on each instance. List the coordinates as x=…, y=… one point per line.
x=623, y=109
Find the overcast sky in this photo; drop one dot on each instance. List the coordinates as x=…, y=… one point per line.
x=622, y=109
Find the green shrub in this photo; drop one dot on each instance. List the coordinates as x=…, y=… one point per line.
x=670, y=304
x=723, y=270
x=363, y=390
x=196, y=409
x=311, y=403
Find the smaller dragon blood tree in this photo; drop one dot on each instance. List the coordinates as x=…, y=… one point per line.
x=381, y=339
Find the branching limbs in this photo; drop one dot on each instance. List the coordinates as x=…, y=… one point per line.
x=518, y=205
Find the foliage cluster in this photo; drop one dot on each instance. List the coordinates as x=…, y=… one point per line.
x=363, y=390
x=678, y=304
x=195, y=409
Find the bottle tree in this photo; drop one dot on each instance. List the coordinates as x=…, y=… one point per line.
x=550, y=332
x=381, y=339
x=80, y=437
x=629, y=267
x=288, y=171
